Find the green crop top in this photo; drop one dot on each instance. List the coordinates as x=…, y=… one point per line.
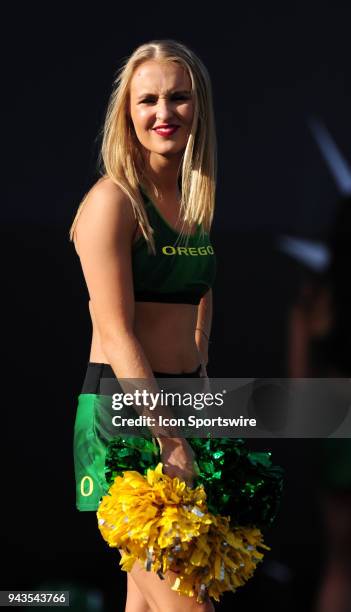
x=180, y=272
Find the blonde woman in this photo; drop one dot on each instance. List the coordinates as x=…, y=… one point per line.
x=142, y=236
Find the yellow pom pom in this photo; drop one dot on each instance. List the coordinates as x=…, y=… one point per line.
x=165, y=525
x=221, y=561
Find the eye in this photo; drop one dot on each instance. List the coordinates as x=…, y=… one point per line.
x=180, y=97
x=148, y=101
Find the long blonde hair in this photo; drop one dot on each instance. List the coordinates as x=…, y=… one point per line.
x=121, y=159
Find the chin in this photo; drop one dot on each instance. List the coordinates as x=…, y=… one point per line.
x=167, y=149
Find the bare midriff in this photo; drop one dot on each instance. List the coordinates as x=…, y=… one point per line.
x=166, y=333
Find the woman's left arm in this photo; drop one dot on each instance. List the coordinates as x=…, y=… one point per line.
x=203, y=328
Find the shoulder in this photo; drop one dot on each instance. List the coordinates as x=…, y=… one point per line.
x=105, y=211
x=105, y=197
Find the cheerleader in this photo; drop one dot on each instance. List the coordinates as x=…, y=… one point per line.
x=142, y=234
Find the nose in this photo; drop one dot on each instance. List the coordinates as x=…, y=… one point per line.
x=164, y=110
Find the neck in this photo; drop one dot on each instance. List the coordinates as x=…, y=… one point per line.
x=164, y=172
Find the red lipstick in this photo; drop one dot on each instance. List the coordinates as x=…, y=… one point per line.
x=166, y=129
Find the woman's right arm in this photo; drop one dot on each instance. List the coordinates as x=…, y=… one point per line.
x=103, y=240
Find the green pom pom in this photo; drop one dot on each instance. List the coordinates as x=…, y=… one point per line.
x=241, y=484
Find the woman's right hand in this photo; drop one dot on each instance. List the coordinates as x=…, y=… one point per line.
x=178, y=459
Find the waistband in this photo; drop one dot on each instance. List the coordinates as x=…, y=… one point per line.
x=97, y=371
x=107, y=372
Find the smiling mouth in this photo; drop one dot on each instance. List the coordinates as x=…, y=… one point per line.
x=166, y=131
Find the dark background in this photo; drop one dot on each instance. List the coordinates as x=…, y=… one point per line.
x=272, y=68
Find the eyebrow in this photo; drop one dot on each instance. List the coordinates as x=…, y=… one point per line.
x=170, y=93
